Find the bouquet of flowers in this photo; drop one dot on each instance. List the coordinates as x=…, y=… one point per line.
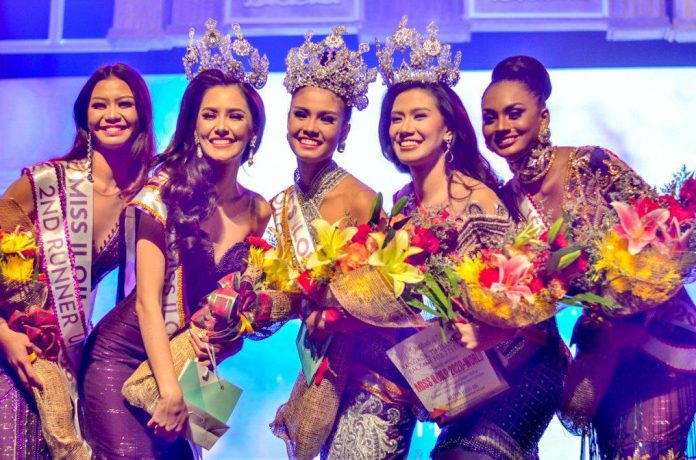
x=515, y=285
x=363, y=270
x=23, y=302
x=224, y=316
x=650, y=253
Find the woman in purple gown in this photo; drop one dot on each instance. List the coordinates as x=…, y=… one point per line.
x=191, y=224
x=113, y=147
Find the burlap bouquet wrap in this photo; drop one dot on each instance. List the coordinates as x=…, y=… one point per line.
x=307, y=419
x=53, y=401
x=140, y=390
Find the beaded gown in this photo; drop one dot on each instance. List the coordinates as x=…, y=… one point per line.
x=648, y=406
x=114, y=429
x=509, y=426
x=20, y=426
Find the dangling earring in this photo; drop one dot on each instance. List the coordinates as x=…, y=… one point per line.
x=538, y=163
x=341, y=147
x=90, y=156
x=197, y=141
x=252, y=146
x=449, y=156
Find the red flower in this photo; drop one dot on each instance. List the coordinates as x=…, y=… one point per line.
x=536, y=285
x=644, y=205
x=308, y=284
x=259, y=242
x=361, y=236
x=426, y=239
x=558, y=243
x=440, y=217
x=681, y=213
x=488, y=276
x=687, y=194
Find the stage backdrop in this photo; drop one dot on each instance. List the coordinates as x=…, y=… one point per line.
x=646, y=115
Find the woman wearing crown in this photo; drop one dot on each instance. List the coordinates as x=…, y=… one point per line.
x=424, y=130
x=632, y=381
x=192, y=220
x=74, y=204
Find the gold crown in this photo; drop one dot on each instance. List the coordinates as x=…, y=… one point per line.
x=217, y=51
x=422, y=55
x=329, y=64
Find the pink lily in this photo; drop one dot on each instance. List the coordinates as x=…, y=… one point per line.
x=513, y=274
x=639, y=231
x=672, y=238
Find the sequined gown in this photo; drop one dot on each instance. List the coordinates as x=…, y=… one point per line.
x=113, y=428
x=509, y=426
x=649, y=406
x=20, y=426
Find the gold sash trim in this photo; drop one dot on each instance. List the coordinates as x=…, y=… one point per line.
x=149, y=201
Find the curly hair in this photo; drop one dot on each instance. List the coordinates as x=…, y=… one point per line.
x=467, y=158
x=143, y=148
x=189, y=193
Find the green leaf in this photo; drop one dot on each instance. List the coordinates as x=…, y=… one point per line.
x=442, y=332
x=454, y=282
x=391, y=233
x=415, y=303
x=568, y=259
x=553, y=231
x=398, y=206
x=376, y=210
x=588, y=297
x=554, y=261
x=435, y=288
x=399, y=225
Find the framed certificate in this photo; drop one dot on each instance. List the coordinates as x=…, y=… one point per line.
x=448, y=379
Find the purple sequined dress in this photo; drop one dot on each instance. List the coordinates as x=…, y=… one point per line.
x=20, y=426
x=113, y=428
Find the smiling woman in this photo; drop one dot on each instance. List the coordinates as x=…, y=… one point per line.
x=84, y=192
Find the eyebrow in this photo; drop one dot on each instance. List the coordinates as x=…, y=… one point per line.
x=100, y=98
x=415, y=109
x=233, y=109
x=321, y=112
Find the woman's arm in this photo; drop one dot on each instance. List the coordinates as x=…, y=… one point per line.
x=20, y=191
x=170, y=414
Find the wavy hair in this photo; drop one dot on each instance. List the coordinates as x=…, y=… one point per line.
x=467, y=158
x=189, y=194
x=143, y=147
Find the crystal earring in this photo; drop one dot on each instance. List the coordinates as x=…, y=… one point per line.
x=449, y=156
x=341, y=147
x=252, y=146
x=197, y=141
x=90, y=156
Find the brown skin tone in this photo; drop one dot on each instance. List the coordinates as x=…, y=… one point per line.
x=225, y=127
x=512, y=118
x=418, y=131
x=113, y=120
x=316, y=125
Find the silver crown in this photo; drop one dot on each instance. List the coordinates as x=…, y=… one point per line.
x=422, y=56
x=217, y=51
x=329, y=64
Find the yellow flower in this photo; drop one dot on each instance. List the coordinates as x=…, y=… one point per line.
x=330, y=242
x=470, y=268
x=17, y=242
x=280, y=274
x=256, y=257
x=17, y=268
x=391, y=260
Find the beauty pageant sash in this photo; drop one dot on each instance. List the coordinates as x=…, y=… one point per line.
x=149, y=200
x=290, y=224
x=64, y=203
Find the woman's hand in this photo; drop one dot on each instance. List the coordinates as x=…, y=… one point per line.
x=17, y=349
x=477, y=336
x=321, y=323
x=199, y=343
x=170, y=416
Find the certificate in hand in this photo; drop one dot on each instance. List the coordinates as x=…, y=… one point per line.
x=447, y=378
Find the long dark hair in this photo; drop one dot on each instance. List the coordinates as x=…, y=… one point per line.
x=467, y=158
x=189, y=194
x=143, y=148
